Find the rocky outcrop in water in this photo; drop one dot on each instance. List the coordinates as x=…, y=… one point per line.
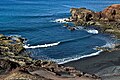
x=14, y=65
x=107, y=20
x=81, y=14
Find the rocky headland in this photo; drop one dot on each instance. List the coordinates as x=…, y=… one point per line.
x=107, y=63
x=107, y=20
x=15, y=64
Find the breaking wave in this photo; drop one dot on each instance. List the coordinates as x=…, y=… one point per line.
x=93, y=31
x=42, y=46
x=61, y=20
x=55, y=44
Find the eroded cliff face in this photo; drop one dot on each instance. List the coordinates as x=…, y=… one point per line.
x=82, y=14
x=107, y=20
x=112, y=13
x=14, y=65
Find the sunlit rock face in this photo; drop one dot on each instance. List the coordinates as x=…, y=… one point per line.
x=112, y=12
x=82, y=14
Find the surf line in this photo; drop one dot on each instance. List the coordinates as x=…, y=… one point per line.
x=54, y=44
x=41, y=46
x=66, y=60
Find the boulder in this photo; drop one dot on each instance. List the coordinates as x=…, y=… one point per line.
x=7, y=66
x=82, y=14
x=71, y=28
x=1, y=36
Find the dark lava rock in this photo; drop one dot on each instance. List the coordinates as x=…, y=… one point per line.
x=112, y=12
x=14, y=65
x=107, y=20
x=7, y=66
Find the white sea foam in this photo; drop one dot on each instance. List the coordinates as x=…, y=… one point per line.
x=93, y=31
x=109, y=45
x=42, y=46
x=65, y=60
x=61, y=20
x=80, y=28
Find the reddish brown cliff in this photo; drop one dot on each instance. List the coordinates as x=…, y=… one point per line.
x=112, y=12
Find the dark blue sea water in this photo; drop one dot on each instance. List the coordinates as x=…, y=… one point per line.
x=36, y=21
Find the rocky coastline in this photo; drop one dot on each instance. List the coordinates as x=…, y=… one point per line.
x=17, y=65
x=107, y=20
x=106, y=64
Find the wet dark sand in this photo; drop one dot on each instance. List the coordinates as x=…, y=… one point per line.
x=106, y=64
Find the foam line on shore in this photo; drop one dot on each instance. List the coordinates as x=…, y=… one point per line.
x=109, y=45
x=41, y=46
x=66, y=60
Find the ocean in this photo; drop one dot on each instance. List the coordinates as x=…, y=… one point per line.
x=47, y=38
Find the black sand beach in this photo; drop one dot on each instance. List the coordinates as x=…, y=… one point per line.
x=106, y=65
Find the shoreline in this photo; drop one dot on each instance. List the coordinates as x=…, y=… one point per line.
x=101, y=65
x=16, y=65
x=103, y=48
x=81, y=57
x=107, y=63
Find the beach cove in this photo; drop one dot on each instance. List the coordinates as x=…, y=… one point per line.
x=42, y=24
x=53, y=44
x=106, y=64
